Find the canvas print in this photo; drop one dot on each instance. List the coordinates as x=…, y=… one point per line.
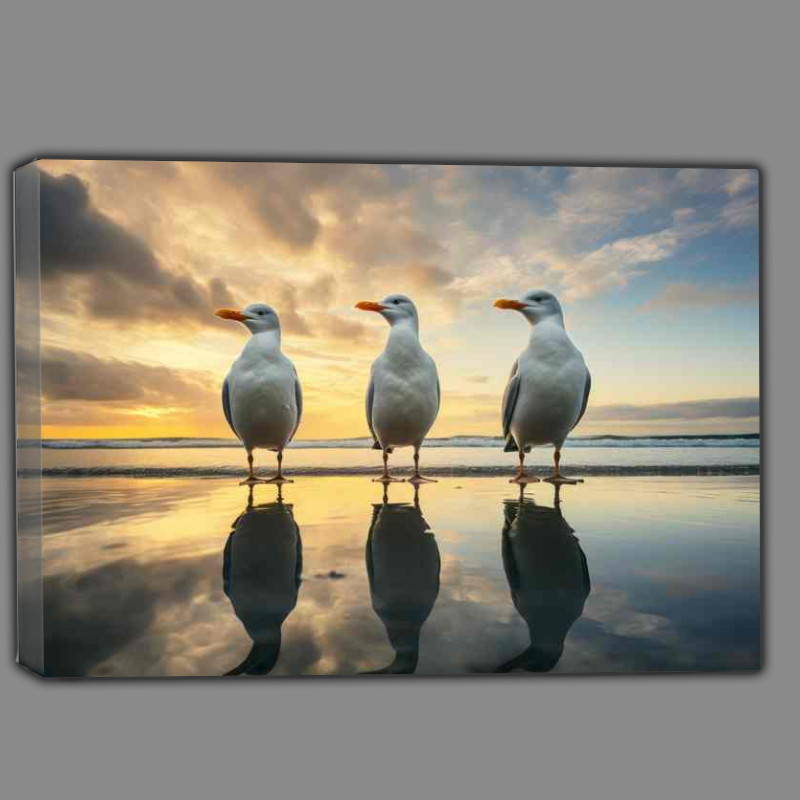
x=297, y=419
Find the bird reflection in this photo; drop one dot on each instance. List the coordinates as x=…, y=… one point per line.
x=548, y=577
x=403, y=567
x=261, y=575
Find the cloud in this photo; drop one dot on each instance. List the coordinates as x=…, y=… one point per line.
x=304, y=309
x=279, y=205
x=703, y=180
x=711, y=180
x=348, y=330
x=381, y=239
x=603, y=228
x=288, y=201
x=83, y=625
x=689, y=295
x=130, y=617
x=90, y=261
x=74, y=376
x=615, y=263
x=731, y=408
x=740, y=212
x=741, y=180
x=427, y=276
x=319, y=227
x=739, y=186
x=605, y=196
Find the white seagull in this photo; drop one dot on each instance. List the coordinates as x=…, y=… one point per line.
x=403, y=396
x=549, y=386
x=261, y=396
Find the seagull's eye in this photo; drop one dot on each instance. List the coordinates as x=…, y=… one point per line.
x=396, y=302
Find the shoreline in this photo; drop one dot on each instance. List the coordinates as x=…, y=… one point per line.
x=439, y=472
x=358, y=443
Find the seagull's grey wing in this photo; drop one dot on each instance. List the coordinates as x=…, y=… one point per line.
x=509, y=404
x=586, y=389
x=370, y=399
x=226, y=405
x=298, y=399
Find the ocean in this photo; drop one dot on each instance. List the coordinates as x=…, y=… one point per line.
x=458, y=455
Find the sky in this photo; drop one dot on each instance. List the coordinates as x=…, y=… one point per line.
x=656, y=269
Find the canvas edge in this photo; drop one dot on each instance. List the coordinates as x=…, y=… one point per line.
x=27, y=366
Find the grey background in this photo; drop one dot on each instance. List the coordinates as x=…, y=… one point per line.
x=614, y=81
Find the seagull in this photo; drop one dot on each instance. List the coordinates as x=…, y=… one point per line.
x=403, y=395
x=261, y=395
x=549, y=385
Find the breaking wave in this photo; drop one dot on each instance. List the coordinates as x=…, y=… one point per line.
x=721, y=440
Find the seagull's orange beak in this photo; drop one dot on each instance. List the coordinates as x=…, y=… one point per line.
x=230, y=313
x=510, y=305
x=368, y=305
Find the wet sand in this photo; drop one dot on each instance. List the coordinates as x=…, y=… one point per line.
x=178, y=577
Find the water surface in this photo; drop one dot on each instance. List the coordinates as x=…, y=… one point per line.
x=440, y=460
x=181, y=577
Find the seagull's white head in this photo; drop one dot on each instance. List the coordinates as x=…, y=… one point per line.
x=535, y=306
x=395, y=308
x=257, y=317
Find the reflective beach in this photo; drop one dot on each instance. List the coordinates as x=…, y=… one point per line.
x=191, y=577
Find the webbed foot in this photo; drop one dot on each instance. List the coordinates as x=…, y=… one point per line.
x=252, y=481
x=524, y=480
x=560, y=480
x=417, y=480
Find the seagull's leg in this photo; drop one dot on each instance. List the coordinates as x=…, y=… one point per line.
x=280, y=466
x=279, y=479
x=251, y=476
x=418, y=479
x=557, y=479
x=521, y=478
x=386, y=477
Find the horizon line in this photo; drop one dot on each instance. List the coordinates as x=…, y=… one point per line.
x=750, y=434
